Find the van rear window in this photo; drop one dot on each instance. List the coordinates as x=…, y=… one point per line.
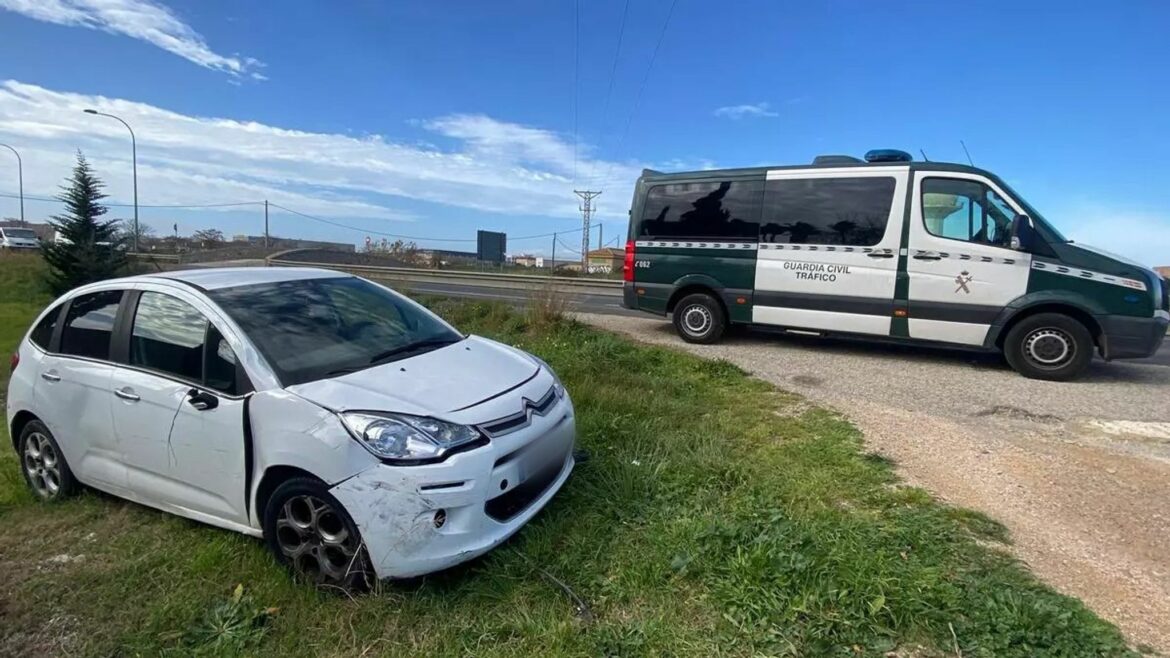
x=831, y=211
x=703, y=210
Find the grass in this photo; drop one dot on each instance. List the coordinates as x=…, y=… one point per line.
x=716, y=516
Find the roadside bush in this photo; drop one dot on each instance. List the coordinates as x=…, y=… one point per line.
x=546, y=307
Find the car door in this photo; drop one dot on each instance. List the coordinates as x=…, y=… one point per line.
x=73, y=395
x=829, y=241
x=177, y=410
x=962, y=270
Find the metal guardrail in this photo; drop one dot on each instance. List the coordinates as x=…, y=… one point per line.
x=493, y=279
x=146, y=255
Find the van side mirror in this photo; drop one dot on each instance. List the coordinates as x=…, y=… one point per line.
x=1023, y=237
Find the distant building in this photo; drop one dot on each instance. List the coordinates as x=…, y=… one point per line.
x=448, y=257
x=606, y=259
x=1164, y=271
x=524, y=260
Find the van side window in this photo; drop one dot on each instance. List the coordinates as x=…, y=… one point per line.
x=966, y=210
x=829, y=211
x=90, y=323
x=42, y=334
x=705, y=209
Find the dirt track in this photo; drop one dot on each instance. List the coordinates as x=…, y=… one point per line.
x=1079, y=472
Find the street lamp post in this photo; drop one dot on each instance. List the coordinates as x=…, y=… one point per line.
x=19, y=179
x=134, y=164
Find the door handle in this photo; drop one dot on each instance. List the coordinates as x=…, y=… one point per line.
x=50, y=376
x=927, y=257
x=127, y=393
x=202, y=400
x=880, y=254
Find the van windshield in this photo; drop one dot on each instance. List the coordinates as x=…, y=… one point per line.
x=1033, y=213
x=316, y=328
x=22, y=233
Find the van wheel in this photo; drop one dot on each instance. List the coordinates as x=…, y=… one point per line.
x=309, y=531
x=699, y=318
x=1049, y=346
x=43, y=465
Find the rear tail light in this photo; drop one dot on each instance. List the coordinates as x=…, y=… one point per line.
x=13, y=362
x=628, y=266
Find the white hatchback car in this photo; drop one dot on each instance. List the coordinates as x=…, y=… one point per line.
x=350, y=427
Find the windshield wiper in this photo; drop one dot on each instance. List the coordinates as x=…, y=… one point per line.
x=432, y=343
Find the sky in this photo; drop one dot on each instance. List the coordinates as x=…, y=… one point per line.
x=431, y=120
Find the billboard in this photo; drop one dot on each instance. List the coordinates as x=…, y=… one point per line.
x=490, y=246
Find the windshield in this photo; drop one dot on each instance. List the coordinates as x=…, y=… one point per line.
x=22, y=233
x=316, y=328
x=1037, y=218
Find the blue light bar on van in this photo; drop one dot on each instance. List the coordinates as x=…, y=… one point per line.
x=888, y=155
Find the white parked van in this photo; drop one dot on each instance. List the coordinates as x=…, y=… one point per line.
x=13, y=237
x=886, y=247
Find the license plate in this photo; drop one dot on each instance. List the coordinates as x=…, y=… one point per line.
x=541, y=457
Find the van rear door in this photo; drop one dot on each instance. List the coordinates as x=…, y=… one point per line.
x=828, y=253
x=961, y=267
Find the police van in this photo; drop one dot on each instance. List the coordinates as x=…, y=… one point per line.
x=889, y=247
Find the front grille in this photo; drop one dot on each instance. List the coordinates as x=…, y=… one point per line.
x=513, y=422
x=506, y=506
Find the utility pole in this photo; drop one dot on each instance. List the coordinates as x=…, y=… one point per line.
x=553, y=263
x=587, y=209
x=19, y=180
x=600, y=235
x=266, y=225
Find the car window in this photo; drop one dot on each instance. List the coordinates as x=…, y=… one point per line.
x=705, y=209
x=90, y=323
x=966, y=210
x=830, y=211
x=219, y=363
x=168, y=336
x=42, y=334
x=172, y=337
x=315, y=328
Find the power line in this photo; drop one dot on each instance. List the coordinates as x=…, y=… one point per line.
x=130, y=205
x=638, y=96
x=609, y=88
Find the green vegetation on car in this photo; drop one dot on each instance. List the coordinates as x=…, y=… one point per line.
x=715, y=516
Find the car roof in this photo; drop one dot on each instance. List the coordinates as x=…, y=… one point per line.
x=215, y=278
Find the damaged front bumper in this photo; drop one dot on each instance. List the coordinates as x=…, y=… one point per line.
x=416, y=520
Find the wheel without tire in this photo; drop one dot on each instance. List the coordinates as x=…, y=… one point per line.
x=43, y=465
x=310, y=532
x=1049, y=346
x=699, y=318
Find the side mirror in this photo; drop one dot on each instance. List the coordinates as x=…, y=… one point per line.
x=1023, y=236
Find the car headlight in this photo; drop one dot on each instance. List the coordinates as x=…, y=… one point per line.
x=557, y=385
x=408, y=439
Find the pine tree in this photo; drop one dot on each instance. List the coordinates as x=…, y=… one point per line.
x=86, y=250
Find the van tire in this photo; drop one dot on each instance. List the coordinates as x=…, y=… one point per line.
x=699, y=318
x=1049, y=346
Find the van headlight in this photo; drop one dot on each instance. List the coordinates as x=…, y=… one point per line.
x=409, y=440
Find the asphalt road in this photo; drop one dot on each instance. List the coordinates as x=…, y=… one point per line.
x=611, y=305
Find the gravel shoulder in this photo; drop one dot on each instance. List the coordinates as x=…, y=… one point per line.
x=1078, y=472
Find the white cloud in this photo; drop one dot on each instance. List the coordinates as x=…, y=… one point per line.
x=1144, y=237
x=138, y=19
x=745, y=111
x=490, y=165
